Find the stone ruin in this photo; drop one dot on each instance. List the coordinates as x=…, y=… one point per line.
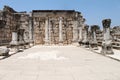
x=93, y=40
x=107, y=40
x=85, y=41
x=16, y=30
x=21, y=30
x=54, y=27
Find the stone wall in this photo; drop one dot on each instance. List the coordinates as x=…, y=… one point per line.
x=56, y=26
x=7, y=24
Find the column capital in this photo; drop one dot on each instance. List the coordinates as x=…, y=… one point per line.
x=94, y=28
x=106, y=23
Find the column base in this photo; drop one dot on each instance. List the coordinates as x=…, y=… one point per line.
x=60, y=43
x=46, y=44
x=21, y=45
x=106, y=49
x=85, y=44
x=75, y=43
x=14, y=46
x=80, y=42
x=31, y=43
x=27, y=45
x=93, y=46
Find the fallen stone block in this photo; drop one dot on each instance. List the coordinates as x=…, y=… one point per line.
x=4, y=51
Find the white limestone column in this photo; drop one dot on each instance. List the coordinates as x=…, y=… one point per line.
x=46, y=31
x=95, y=38
x=85, y=35
x=75, y=31
x=60, y=30
x=107, y=34
x=49, y=31
x=30, y=29
x=80, y=33
x=107, y=41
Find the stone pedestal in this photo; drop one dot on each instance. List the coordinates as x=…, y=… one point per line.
x=85, y=37
x=106, y=43
x=93, y=42
x=14, y=43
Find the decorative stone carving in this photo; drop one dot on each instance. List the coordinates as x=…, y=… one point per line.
x=85, y=37
x=93, y=41
x=106, y=43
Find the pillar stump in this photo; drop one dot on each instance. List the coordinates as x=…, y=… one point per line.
x=21, y=39
x=85, y=37
x=106, y=43
x=93, y=42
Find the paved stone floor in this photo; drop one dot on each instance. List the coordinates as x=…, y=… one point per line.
x=58, y=63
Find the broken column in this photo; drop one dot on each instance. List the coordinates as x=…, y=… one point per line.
x=93, y=42
x=85, y=37
x=106, y=43
x=60, y=31
x=14, y=43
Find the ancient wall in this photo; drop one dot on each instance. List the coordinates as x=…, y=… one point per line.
x=10, y=21
x=7, y=23
x=44, y=26
x=56, y=26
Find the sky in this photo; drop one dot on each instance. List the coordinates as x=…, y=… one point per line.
x=94, y=11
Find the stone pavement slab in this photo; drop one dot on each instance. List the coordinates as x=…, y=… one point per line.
x=58, y=63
